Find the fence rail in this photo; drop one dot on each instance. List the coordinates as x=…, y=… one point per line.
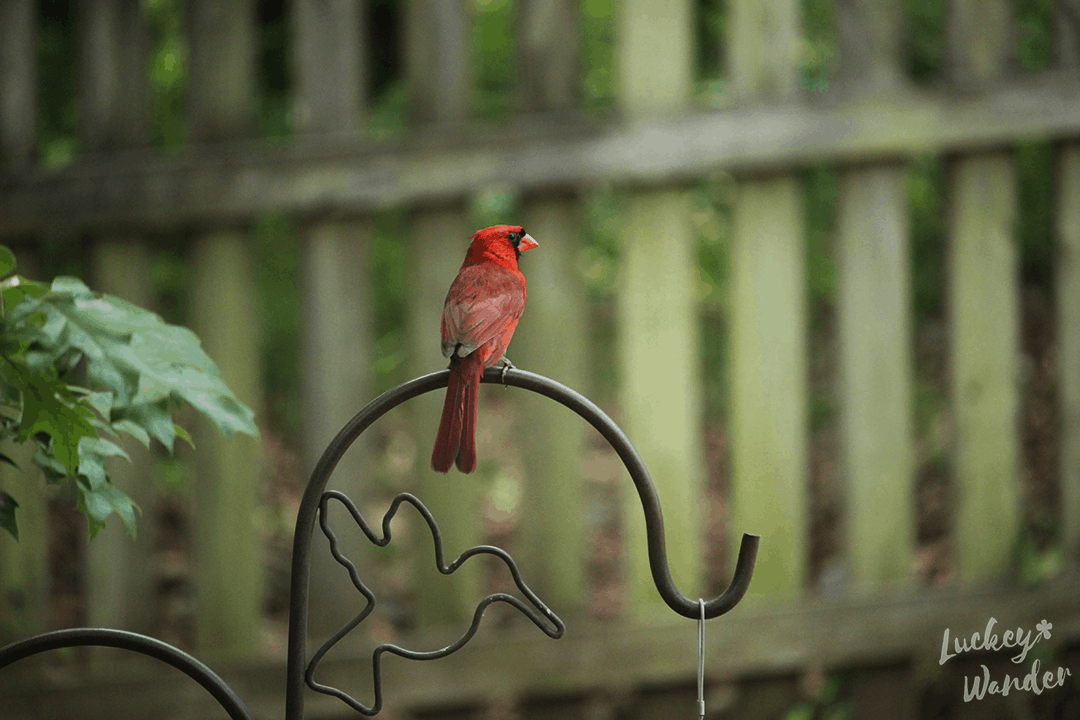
x=120, y=194
x=236, y=181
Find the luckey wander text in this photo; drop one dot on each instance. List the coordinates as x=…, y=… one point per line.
x=1033, y=681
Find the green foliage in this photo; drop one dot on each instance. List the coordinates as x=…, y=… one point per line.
x=711, y=217
x=818, y=45
x=137, y=369
x=1035, y=33
x=820, y=193
x=1035, y=180
x=926, y=208
x=57, y=140
x=493, y=39
x=926, y=39
x=168, y=73
x=598, y=54
x=273, y=100
x=277, y=268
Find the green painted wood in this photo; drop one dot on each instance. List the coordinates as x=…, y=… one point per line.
x=1066, y=38
x=552, y=340
x=984, y=320
x=437, y=57
x=24, y=563
x=979, y=37
x=768, y=383
x=18, y=82
x=438, y=239
x=984, y=311
x=659, y=379
x=764, y=49
x=113, y=44
x=547, y=55
x=120, y=586
x=871, y=47
x=221, y=84
x=336, y=303
x=437, y=41
x=1067, y=284
x=656, y=306
x=228, y=565
x=329, y=66
x=768, y=320
x=874, y=308
x=653, y=55
x=874, y=319
x=114, y=110
x=337, y=382
x=220, y=106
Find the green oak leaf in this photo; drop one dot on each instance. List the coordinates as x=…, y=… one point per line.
x=98, y=504
x=134, y=429
x=137, y=368
x=183, y=435
x=92, y=454
x=44, y=411
x=155, y=419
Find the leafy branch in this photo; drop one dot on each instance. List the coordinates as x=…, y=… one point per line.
x=137, y=370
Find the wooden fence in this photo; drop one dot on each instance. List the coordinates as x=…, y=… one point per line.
x=879, y=628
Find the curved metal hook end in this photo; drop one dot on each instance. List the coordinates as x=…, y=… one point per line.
x=740, y=581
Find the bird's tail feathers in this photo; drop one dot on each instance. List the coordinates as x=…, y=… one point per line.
x=455, y=443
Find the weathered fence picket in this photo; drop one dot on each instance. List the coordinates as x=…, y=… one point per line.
x=768, y=317
x=554, y=333
x=113, y=116
x=1068, y=329
x=984, y=307
x=24, y=565
x=875, y=322
x=657, y=344
x=222, y=305
x=330, y=79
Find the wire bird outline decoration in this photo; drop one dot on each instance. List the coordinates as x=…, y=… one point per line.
x=538, y=613
x=313, y=504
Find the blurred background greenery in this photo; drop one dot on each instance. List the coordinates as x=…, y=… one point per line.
x=276, y=241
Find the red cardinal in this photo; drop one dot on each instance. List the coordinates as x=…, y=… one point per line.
x=481, y=312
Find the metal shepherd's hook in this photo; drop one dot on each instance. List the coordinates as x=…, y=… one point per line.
x=650, y=503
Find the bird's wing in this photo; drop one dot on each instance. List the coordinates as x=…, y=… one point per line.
x=482, y=302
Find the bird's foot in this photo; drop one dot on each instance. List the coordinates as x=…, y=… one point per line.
x=507, y=365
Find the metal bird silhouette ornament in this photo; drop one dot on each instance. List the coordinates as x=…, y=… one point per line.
x=535, y=610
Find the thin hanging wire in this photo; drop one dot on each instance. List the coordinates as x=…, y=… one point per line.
x=701, y=661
